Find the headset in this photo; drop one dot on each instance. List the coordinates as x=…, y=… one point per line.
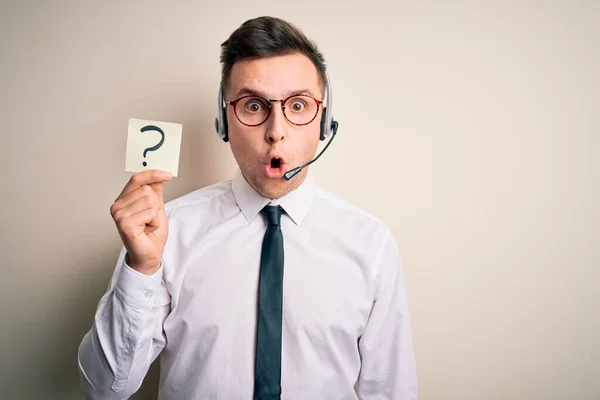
x=328, y=129
x=328, y=124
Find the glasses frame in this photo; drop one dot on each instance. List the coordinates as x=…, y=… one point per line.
x=282, y=102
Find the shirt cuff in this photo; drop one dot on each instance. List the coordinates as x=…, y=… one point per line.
x=138, y=289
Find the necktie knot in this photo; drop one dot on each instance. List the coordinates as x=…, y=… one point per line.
x=272, y=214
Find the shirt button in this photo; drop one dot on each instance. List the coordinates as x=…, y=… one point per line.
x=148, y=294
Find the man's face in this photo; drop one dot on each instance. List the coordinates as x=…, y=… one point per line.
x=265, y=152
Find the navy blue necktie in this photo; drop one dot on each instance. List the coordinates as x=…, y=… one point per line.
x=267, y=373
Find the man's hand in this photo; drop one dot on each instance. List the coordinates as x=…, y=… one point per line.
x=139, y=213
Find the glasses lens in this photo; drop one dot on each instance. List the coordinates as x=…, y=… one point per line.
x=301, y=109
x=252, y=110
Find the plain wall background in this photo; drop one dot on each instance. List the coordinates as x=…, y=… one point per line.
x=470, y=127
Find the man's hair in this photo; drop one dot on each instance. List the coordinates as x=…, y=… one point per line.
x=268, y=37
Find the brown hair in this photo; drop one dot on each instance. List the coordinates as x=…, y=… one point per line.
x=268, y=37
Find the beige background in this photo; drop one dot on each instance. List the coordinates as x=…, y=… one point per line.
x=470, y=127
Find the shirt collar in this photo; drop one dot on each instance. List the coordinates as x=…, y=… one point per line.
x=295, y=204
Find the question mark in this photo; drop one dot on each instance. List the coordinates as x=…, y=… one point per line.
x=156, y=147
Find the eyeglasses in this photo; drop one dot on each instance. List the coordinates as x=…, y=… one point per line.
x=254, y=110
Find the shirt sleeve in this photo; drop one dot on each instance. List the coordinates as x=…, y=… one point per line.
x=127, y=334
x=388, y=368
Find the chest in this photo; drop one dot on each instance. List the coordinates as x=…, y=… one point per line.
x=326, y=285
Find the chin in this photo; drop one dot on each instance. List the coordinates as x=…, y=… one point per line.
x=271, y=188
x=276, y=188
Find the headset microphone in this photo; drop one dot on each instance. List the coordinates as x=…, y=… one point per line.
x=293, y=172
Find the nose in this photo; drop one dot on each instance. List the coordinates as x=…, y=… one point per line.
x=276, y=125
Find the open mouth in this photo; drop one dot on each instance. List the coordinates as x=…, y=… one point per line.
x=275, y=163
x=275, y=168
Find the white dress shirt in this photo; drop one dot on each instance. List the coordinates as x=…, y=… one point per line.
x=345, y=314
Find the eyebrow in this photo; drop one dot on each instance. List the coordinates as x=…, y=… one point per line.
x=247, y=91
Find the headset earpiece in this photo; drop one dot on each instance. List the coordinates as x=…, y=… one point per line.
x=225, y=127
x=323, y=124
x=328, y=125
x=221, y=120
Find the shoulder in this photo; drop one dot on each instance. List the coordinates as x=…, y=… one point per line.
x=340, y=207
x=364, y=235
x=204, y=198
x=351, y=218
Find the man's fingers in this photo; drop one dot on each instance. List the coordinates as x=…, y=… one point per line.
x=158, y=189
x=133, y=196
x=142, y=218
x=138, y=204
x=147, y=177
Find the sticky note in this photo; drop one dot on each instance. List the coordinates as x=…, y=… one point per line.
x=153, y=145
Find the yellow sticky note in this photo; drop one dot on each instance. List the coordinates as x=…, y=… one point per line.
x=153, y=145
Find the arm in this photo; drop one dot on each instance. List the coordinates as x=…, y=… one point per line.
x=388, y=366
x=126, y=336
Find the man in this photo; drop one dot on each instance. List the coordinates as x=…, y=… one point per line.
x=266, y=288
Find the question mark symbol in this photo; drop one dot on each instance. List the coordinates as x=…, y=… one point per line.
x=157, y=146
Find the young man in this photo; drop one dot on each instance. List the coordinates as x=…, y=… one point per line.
x=266, y=288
